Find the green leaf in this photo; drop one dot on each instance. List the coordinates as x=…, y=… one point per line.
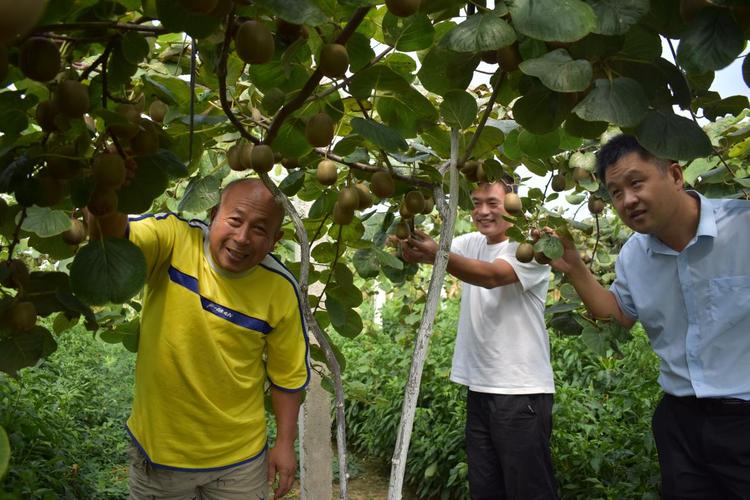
x=380, y=78
x=550, y=246
x=349, y=295
x=713, y=40
x=45, y=222
x=594, y=340
x=108, y=270
x=641, y=44
x=149, y=182
x=539, y=146
x=295, y=11
x=620, y=102
x=674, y=137
x=182, y=20
x=345, y=320
x=407, y=111
x=553, y=20
x=697, y=168
x=746, y=70
x=408, y=34
x=293, y=182
x=388, y=260
x=541, y=111
x=133, y=47
x=201, y=193
x=582, y=128
x=165, y=161
x=25, y=349
x=479, y=33
x=379, y=134
x=444, y=70
x=559, y=72
x=4, y=452
x=366, y=263
x=615, y=17
x=360, y=52
x=733, y=105
x=290, y=141
x=458, y=109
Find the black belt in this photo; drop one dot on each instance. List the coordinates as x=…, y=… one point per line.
x=714, y=406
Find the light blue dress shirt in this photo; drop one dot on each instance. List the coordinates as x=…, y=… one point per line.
x=694, y=304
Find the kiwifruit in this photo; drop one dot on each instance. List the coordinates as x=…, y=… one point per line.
x=402, y=230
x=239, y=156
x=319, y=130
x=429, y=205
x=39, y=59
x=72, y=98
x=365, y=199
x=288, y=32
x=46, y=111
x=581, y=174
x=254, y=42
x=342, y=216
x=199, y=6
x=326, y=173
x=25, y=192
x=513, y=204
x=402, y=8
x=481, y=174
x=221, y=10
x=3, y=208
x=490, y=56
x=558, y=183
x=262, y=158
x=290, y=163
x=348, y=199
x=21, y=316
x=109, y=170
x=334, y=60
x=146, y=141
x=596, y=205
x=382, y=184
x=62, y=162
x=541, y=258
x=3, y=62
x=103, y=201
x=525, y=252
x=509, y=57
x=158, y=110
x=414, y=201
x=469, y=169
x=49, y=191
x=128, y=128
x=17, y=18
x=76, y=234
x=17, y=274
x=404, y=211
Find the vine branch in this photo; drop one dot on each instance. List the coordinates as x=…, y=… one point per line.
x=500, y=74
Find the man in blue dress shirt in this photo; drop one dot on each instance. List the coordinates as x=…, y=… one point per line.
x=685, y=275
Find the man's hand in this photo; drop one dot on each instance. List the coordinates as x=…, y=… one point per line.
x=419, y=248
x=282, y=464
x=571, y=259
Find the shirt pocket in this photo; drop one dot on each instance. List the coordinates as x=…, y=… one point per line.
x=729, y=302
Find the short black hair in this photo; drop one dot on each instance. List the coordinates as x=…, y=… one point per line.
x=622, y=145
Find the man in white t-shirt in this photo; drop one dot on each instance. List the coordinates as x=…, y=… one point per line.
x=502, y=354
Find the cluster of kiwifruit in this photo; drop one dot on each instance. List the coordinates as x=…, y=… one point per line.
x=525, y=251
x=19, y=314
x=245, y=156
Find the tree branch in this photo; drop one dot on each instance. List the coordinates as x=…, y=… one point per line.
x=147, y=30
x=500, y=74
x=414, y=181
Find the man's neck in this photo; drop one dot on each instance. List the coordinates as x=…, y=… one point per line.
x=684, y=226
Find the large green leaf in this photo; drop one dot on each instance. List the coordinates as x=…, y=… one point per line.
x=201, y=193
x=25, y=349
x=458, y=109
x=539, y=146
x=541, y=111
x=559, y=72
x=45, y=222
x=713, y=40
x=480, y=32
x=408, y=34
x=366, y=263
x=108, y=270
x=177, y=18
x=620, y=102
x=553, y=20
x=4, y=452
x=582, y=128
x=668, y=135
x=641, y=44
x=149, y=182
x=379, y=134
x=407, y=111
x=380, y=78
x=615, y=17
x=733, y=105
x=444, y=70
x=344, y=319
x=295, y=11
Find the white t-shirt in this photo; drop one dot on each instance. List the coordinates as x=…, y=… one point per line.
x=502, y=346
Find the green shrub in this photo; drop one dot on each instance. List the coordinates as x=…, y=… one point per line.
x=602, y=444
x=65, y=422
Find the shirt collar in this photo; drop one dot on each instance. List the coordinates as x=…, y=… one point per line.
x=706, y=226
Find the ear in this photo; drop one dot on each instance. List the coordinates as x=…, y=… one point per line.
x=676, y=174
x=278, y=237
x=212, y=214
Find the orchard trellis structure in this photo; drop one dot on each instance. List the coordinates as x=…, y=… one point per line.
x=161, y=81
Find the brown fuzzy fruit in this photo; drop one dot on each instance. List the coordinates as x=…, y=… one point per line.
x=382, y=184
x=402, y=8
x=469, y=169
x=509, y=57
x=158, y=110
x=199, y=6
x=21, y=316
x=290, y=163
x=525, y=252
x=239, y=157
x=319, y=130
x=127, y=128
x=558, y=183
x=146, y=141
x=429, y=205
x=17, y=18
x=326, y=173
x=72, y=98
x=513, y=204
x=404, y=211
x=109, y=170
x=39, y=59
x=49, y=191
x=402, y=230
x=46, y=111
x=596, y=205
x=581, y=174
x=103, y=201
x=76, y=234
x=17, y=274
x=62, y=162
x=414, y=201
x=342, y=216
x=261, y=158
x=334, y=60
x=541, y=258
x=254, y=42
x=365, y=199
x=348, y=199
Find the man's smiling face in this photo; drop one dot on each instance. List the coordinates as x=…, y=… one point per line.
x=488, y=211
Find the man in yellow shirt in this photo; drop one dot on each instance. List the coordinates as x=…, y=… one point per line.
x=221, y=316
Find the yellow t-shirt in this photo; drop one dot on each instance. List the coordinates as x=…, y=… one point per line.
x=209, y=339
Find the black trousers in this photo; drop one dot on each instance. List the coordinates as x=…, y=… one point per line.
x=507, y=443
x=704, y=448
